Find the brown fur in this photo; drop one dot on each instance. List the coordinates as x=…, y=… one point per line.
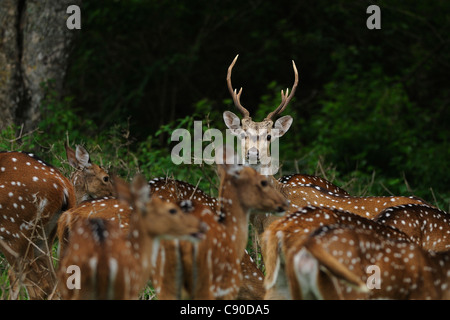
x=124, y=253
x=89, y=179
x=174, y=190
x=426, y=226
x=406, y=270
x=214, y=264
x=33, y=195
x=368, y=207
x=286, y=236
x=252, y=287
x=105, y=208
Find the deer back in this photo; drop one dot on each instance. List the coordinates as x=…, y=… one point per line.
x=105, y=208
x=106, y=249
x=287, y=235
x=402, y=269
x=33, y=195
x=368, y=207
x=426, y=226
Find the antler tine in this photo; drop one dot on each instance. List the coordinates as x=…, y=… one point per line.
x=236, y=97
x=285, y=98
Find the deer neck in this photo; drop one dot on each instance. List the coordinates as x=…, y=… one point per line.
x=234, y=215
x=141, y=244
x=277, y=184
x=261, y=168
x=283, y=188
x=79, y=185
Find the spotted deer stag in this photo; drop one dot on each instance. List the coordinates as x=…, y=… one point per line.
x=190, y=198
x=115, y=260
x=300, y=189
x=211, y=269
x=350, y=262
x=287, y=236
x=33, y=196
x=256, y=136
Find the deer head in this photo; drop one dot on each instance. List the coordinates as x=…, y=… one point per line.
x=157, y=217
x=255, y=137
x=89, y=179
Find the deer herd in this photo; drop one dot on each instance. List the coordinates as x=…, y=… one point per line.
x=317, y=241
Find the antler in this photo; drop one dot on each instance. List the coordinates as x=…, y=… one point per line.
x=236, y=96
x=285, y=98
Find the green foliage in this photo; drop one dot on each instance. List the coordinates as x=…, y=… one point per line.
x=368, y=123
x=8, y=137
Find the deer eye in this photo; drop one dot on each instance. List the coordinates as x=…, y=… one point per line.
x=264, y=183
x=269, y=137
x=173, y=211
x=105, y=178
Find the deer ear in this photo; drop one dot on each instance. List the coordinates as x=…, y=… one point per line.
x=82, y=157
x=232, y=121
x=70, y=153
x=281, y=126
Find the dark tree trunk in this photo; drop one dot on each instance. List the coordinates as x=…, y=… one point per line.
x=34, y=48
